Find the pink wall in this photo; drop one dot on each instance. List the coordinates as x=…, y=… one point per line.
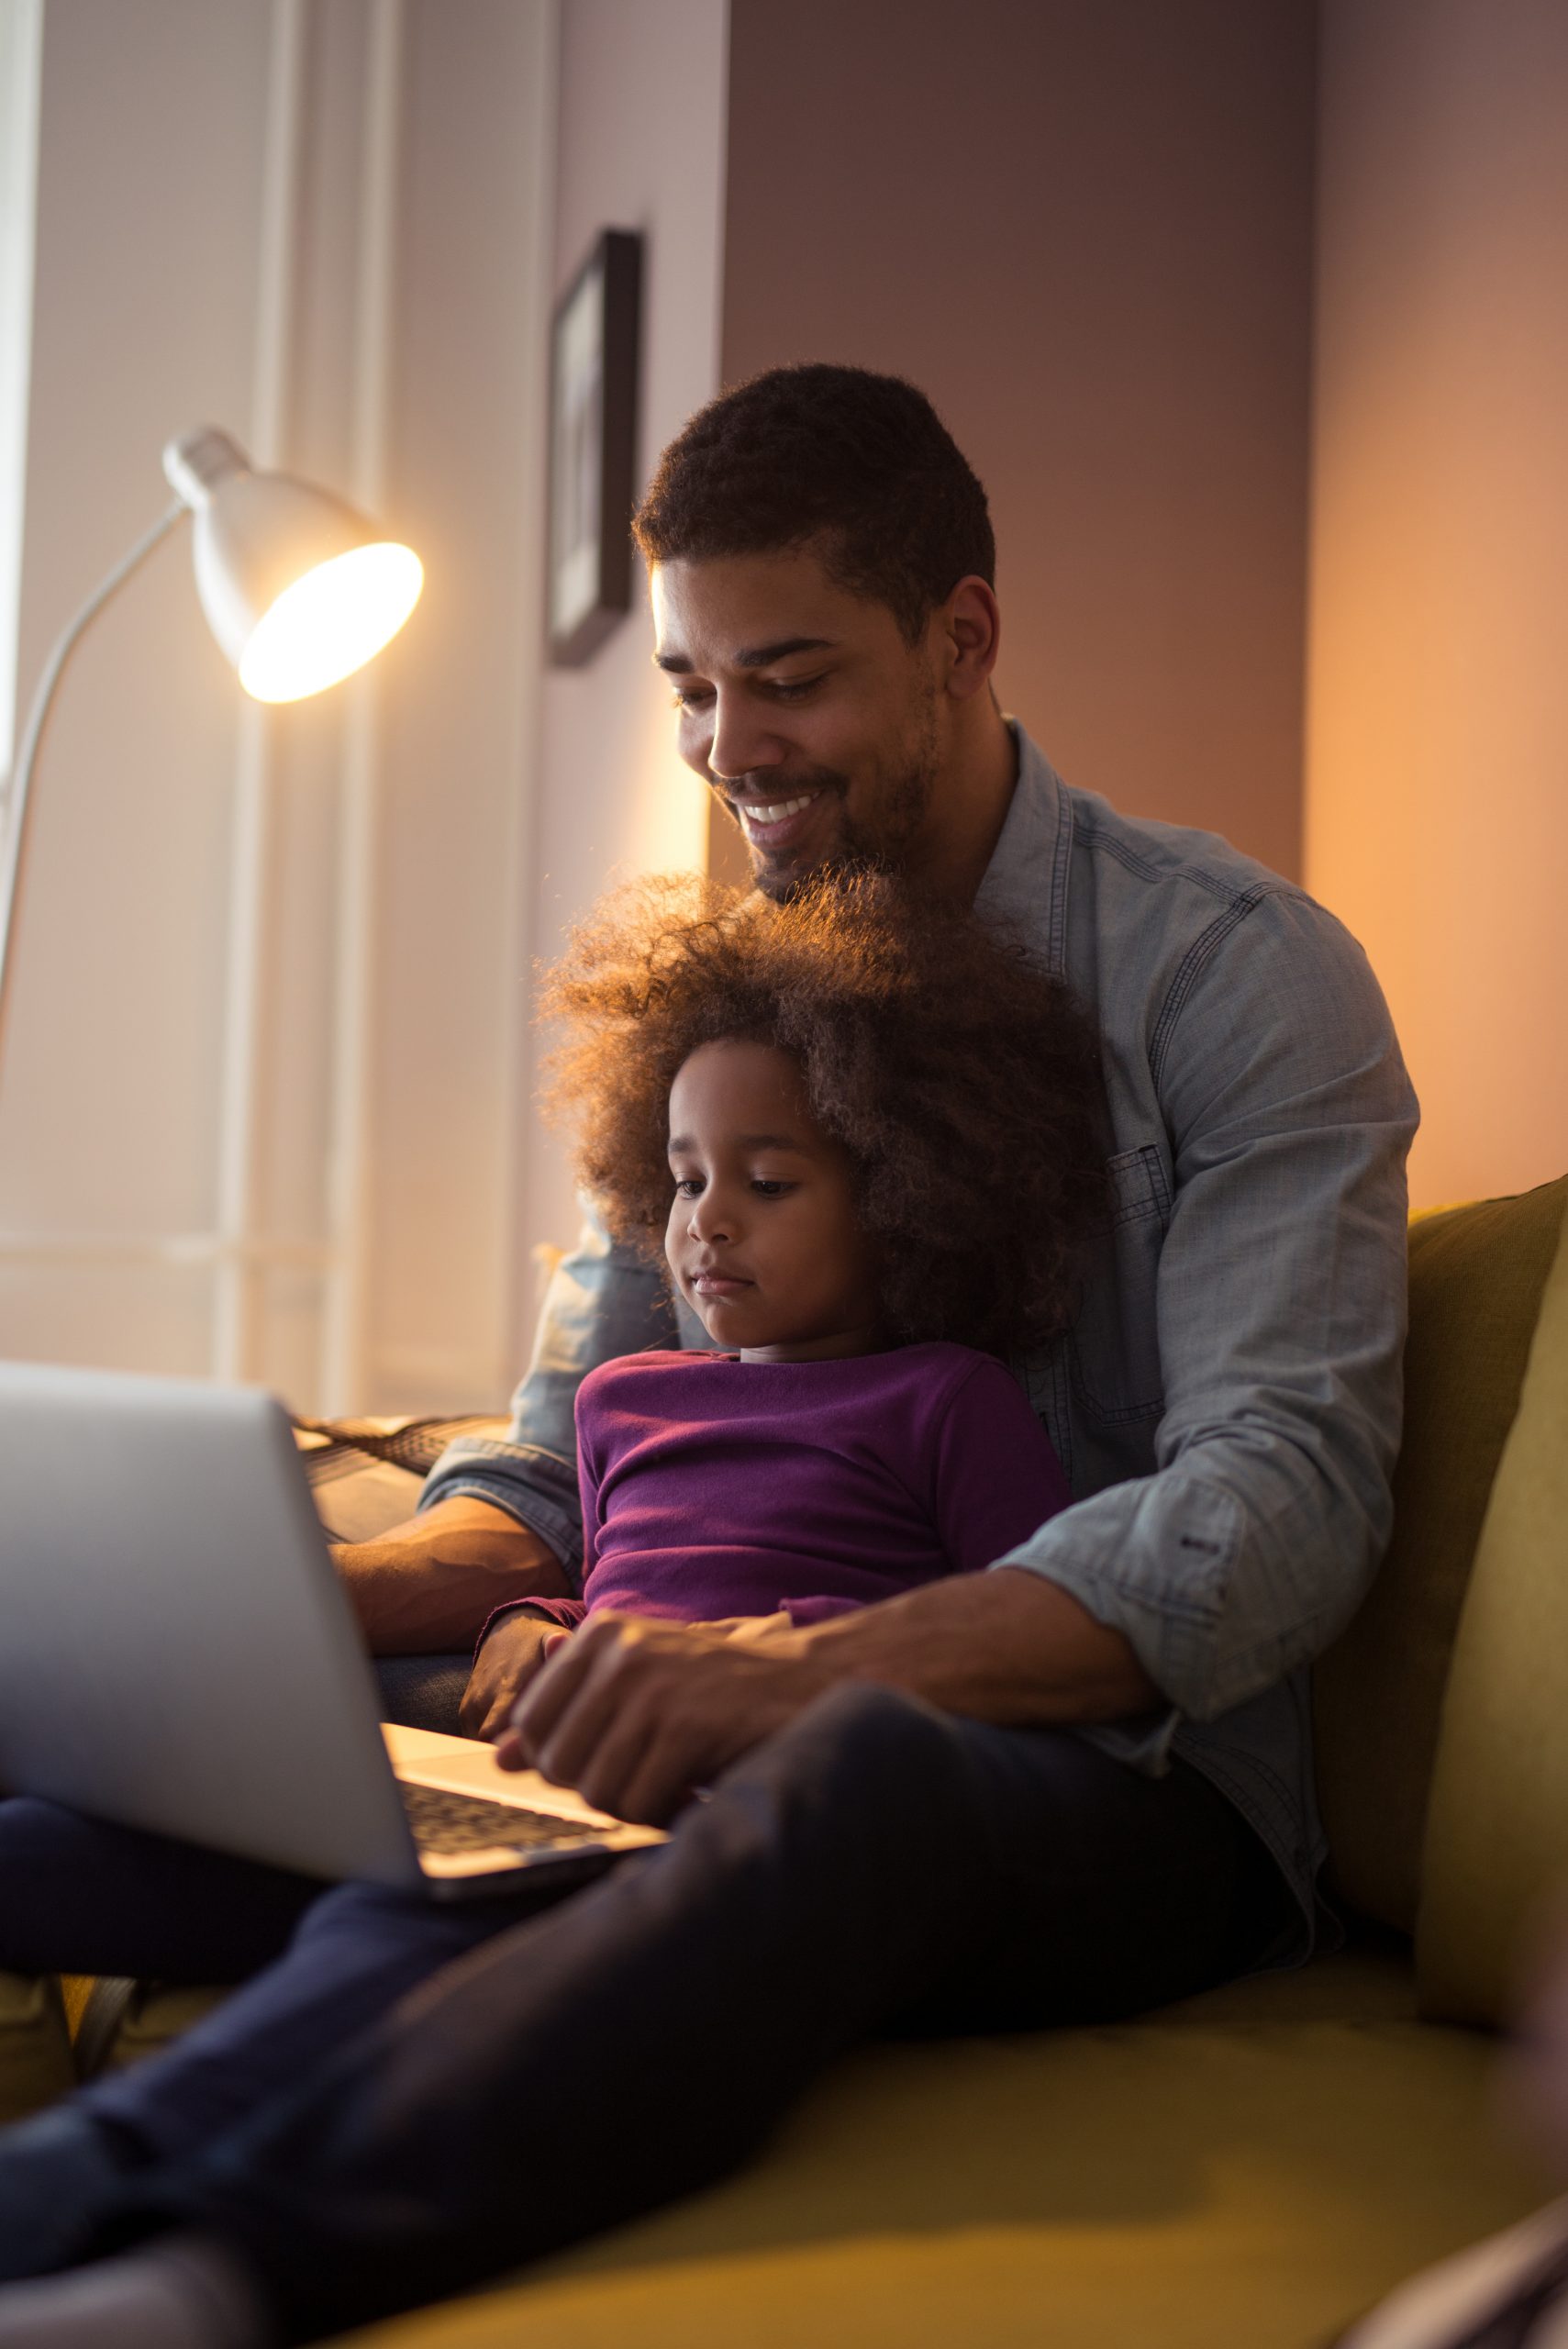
x=641, y=145
x=1438, y=770
x=1086, y=233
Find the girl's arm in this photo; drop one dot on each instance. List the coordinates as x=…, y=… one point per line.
x=514, y=1642
x=996, y=1479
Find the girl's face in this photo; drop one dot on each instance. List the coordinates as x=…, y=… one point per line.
x=762, y=1240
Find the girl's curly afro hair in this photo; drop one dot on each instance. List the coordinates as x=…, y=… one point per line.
x=961, y=1080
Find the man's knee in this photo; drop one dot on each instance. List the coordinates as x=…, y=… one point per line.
x=353, y=1918
x=349, y=1911
x=871, y=1749
x=861, y=1716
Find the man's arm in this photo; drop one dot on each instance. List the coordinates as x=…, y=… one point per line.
x=1282, y=1312
x=634, y=1714
x=423, y=1587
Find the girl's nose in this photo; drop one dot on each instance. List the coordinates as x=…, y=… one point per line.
x=711, y=1219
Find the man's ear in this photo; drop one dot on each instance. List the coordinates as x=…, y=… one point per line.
x=968, y=628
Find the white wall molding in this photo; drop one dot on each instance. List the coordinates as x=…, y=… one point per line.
x=345, y=1367
x=21, y=54
x=201, y=1250
x=260, y=1106
x=236, y=1302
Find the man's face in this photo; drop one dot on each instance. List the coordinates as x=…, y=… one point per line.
x=805, y=707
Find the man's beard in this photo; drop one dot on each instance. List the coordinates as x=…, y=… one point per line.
x=878, y=844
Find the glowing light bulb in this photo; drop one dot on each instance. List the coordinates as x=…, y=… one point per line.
x=330, y=622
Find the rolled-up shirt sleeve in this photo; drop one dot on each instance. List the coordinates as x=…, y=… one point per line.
x=602, y=1300
x=1281, y=1320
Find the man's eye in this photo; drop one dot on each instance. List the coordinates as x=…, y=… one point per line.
x=692, y=697
x=795, y=689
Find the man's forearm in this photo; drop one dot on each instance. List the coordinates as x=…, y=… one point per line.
x=427, y=1587
x=634, y=1714
x=1009, y=1647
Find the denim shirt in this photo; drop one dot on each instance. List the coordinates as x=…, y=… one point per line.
x=1227, y=1404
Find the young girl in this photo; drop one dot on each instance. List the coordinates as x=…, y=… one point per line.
x=865, y=1133
x=862, y=1133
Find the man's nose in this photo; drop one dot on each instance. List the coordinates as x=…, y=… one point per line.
x=742, y=742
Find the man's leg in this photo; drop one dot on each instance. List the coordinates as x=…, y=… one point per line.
x=876, y=1862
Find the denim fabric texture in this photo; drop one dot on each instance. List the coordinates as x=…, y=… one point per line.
x=1227, y=1405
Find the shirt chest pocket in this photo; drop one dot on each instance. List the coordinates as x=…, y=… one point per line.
x=1114, y=1346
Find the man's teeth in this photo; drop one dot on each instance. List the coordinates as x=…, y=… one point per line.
x=776, y=813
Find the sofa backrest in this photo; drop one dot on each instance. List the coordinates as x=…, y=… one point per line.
x=1495, y=1862
x=1478, y=1278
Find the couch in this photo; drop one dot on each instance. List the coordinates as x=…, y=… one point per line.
x=1252, y=2168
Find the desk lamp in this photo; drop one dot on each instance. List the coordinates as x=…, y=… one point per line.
x=299, y=589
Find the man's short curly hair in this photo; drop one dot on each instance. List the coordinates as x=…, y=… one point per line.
x=961, y=1080
x=858, y=466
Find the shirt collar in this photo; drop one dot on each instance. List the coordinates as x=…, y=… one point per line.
x=1025, y=886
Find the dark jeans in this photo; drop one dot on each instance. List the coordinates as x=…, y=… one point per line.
x=410, y=2098
x=423, y=1691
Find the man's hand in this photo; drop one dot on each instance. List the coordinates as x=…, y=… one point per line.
x=511, y=1655
x=429, y=1586
x=753, y=1627
x=518, y=1649
x=634, y=1714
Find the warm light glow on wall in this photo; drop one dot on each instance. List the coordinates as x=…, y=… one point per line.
x=1436, y=818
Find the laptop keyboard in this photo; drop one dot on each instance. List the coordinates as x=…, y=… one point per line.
x=449, y=1822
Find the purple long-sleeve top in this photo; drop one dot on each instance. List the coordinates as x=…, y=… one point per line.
x=713, y=1487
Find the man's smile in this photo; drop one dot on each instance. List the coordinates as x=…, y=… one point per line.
x=775, y=823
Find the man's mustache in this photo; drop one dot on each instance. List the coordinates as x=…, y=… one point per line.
x=770, y=786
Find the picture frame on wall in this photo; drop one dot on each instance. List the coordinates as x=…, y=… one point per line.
x=595, y=339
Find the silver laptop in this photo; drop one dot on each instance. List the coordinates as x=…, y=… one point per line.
x=176, y=1652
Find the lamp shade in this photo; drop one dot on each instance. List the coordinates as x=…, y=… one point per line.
x=299, y=589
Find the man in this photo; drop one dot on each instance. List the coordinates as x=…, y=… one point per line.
x=1072, y=1787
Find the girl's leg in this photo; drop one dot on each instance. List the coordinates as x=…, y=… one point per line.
x=78, y=1896
x=356, y=1952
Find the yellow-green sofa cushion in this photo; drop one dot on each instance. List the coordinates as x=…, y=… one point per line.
x=35, y=2051
x=1476, y=1278
x=1245, y=2171
x=1497, y=1834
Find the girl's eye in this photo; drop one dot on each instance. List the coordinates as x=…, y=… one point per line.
x=769, y=1188
x=688, y=1187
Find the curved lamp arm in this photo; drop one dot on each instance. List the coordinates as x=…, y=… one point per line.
x=11, y=871
x=299, y=589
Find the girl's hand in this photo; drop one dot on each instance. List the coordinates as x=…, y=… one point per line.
x=508, y=1661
